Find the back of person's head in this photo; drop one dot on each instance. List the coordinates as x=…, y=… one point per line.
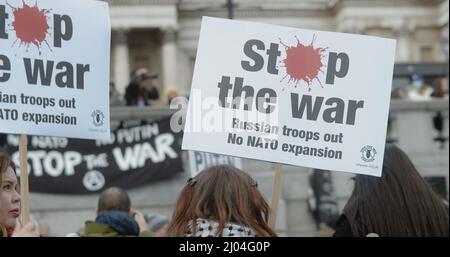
x=143, y=74
x=113, y=199
x=400, y=203
x=223, y=194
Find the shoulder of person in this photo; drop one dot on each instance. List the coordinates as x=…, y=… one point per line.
x=343, y=227
x=73, y=235
x=146, y=233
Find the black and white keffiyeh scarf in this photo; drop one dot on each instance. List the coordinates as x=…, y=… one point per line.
x=208, y=228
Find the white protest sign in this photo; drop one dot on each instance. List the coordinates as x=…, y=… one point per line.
x=199, y=161
x=309, y=98
x=54, y=68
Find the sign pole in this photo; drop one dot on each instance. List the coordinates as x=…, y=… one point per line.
x=275, y=195
x=24, y=193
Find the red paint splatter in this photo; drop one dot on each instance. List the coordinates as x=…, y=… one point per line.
x=30, y=25
x=303, y=63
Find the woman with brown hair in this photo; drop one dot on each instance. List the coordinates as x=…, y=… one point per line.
x=10, y=201
x=220, y=201
x=400, y=203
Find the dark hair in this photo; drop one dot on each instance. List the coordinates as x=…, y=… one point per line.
x=400, y=203
x=224, y=194
x=114, y=199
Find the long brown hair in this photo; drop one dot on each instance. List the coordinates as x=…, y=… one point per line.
x=223, y=194
x=400, y=203
x=5, y=163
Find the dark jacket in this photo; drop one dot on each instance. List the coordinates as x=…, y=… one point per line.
x=343, y=227
x=135, y=93
x=113, y=224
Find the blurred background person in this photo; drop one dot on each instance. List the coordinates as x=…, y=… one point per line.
x=115, y=99
x=171, y=93
x=399, y=203
x=441, y=90
x=142, y=88
x=115, y=217
x=157, y=223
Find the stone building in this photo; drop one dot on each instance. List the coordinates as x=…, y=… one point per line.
x=162, y=35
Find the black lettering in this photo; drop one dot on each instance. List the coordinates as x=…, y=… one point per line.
x=38, y=70
x=338, y=111
x=81, y=69
x=58, y=34
x=5, y=65
x=237, y=94
x=273, y=54
x=257, y=58
x=351, y=112
x=67, y=73
x=270, y=101
x=306, y=102
x=224, y=86
x=3, y=17
x=331, y=68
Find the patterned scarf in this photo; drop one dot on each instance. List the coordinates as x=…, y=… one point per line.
x=208, y=228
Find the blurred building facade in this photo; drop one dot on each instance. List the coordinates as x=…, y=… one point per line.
x=162, y=35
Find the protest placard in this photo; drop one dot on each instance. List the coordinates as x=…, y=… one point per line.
x=199, y=161
x=54, y=68
x=54, y=72
x=300, y=97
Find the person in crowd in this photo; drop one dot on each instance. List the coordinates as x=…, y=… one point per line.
x=322, y=201
x=398, y=93
x=173, y=99
x=115, y=217
x=171, y=93
x=142, y=88
x=10, y=202
x=418, y=90
x=2, y=141
x=115, y=99
x=220, y=201
x=441, y=91
x=399, y=203
x=44, y=230
x=157, y=223
x=441, y=88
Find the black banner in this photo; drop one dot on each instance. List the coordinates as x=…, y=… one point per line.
x=133, y=156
